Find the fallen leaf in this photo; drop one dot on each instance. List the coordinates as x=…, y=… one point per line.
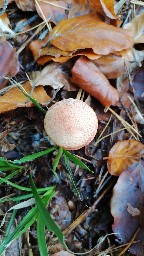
x=8, y=62
x=123, y=154
x=26, y=5
x=53, y=76
x=14, y=98
x=53, y=10
x=136, y=26
x=105, y=7
x=129, y=189
x=89, y=31
x=87, y=76
x=138, y=84
x=58, y=55
x=112, y=66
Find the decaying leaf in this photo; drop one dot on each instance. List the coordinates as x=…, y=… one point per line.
x=89, y=31
x=87, y=76
x=129, y=190
x=53, y=76
x=123, y=154
x=53, y=10
x=26, y=5
x=105, y=7
x=8, y=61
x=112, y=66
x=136, y=26
x=15, y=98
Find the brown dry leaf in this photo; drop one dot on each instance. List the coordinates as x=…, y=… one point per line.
x=53, y=10
x=89, y=31
x=15, y=98
x=112, y=66
x=129, y=190
x=77, y=9
x=105, y=7
x=87, y=76
x=136, y=26
x=58, y=55
x=53, y=76
x=123, y=154
x=8, y=62
x=26, y=5
x=36, y=45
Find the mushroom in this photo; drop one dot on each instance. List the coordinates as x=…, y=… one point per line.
x=71, y=124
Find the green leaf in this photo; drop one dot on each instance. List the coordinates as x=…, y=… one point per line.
x=49, y=222
x=56, y=161
x=41, y=236
x=76, y=160
x=34, y=156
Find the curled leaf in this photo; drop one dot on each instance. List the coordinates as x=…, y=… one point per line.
x=127, y=207
x=87, y=76
x=123, y=154
x=8, y=61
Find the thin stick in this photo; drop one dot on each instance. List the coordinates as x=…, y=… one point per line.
x=48, y=24
x=29, y=40
x=56, y=5
x=125, y=124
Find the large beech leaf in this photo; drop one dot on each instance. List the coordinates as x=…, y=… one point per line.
x=87, y=76
x=127, y=207
x=15, y=98
x=89, y=31
x=8, y=61
x=123, y=154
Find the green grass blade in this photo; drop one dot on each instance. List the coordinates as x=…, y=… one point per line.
x=67, y=166
x=34, y=156
x=56, y=161
x=76, y=160
x=26, y=196
x=18, y=186
x=10, y=222
x=6, y=165
x=41, y=237
x=34, y=101
x=49, y=222
x=27, y=221
x=25, y=224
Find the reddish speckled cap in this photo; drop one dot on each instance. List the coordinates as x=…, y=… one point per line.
x=71, y=124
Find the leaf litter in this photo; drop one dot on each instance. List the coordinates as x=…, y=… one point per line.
x=99, y=55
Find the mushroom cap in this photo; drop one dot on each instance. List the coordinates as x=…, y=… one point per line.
x=71, y=124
